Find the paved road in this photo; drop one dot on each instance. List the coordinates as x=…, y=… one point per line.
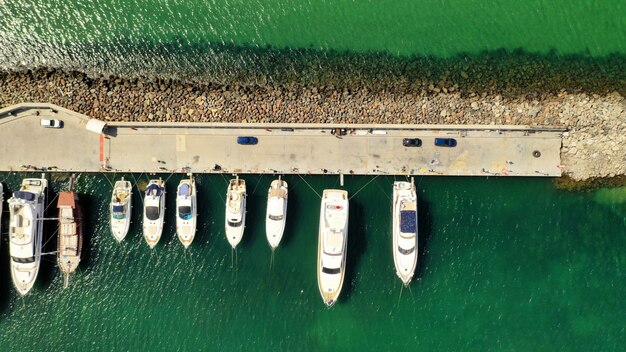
x=285, y=148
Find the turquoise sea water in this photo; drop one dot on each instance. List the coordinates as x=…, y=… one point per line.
x=506, y=264
x=227, y=41
x=500, y=269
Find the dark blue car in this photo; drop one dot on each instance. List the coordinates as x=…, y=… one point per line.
x=445, y=142
x=247, y=140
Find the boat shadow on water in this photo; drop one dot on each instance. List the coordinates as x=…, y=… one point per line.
x=5, y=274
x=425, y=225
x=291, y=224
x=357, y=245
x=90, y=217
x=48, y=269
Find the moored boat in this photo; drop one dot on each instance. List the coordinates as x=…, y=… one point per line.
x=235, y=221
x=70, y=242
x=276, y=214
x=404, y=230
x=26, y=216
x=186, y=211
x=153, y=212
x=121, y=208
x=332, y=244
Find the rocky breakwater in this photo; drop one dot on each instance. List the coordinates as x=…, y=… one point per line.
x=594, y=146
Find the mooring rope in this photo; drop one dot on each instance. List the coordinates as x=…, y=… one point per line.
x=360, y=189
x=320, y=197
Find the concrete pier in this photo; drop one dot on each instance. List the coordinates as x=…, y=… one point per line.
x=481, y=150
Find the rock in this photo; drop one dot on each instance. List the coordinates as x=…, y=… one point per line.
x=474, y=105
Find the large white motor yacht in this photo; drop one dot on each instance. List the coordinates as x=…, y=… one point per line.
x=26, y=217
x=235, y=211
x=405, y=230
x=186, y=211
x=332, y=244
x=276, y=212
x=153, y=212
x=121, y=209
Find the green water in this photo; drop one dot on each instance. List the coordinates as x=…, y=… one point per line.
x=506, y=264
x=404, y=27
x=322, y=41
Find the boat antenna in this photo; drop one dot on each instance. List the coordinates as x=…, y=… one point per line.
x=66, y=280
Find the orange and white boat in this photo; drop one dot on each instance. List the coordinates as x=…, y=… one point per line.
x=70, y=232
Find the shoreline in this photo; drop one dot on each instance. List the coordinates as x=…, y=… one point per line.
x=593, y=147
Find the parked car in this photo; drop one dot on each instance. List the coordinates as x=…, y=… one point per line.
x=247, y=140
x=445, y=142
x=412, y=142
x=51, y=123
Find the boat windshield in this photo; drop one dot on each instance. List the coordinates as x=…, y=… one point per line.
x=330, y=271
x=184, y=212
x=27, y=196
x=23, y=260
x=152, y=213
x=119, y=212
x=406, y=251
x=276, y=217
x=234, y=224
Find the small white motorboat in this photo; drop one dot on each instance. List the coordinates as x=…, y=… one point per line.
x=121, y=206
x=276, y=212
x=235, y=221
x=186, y=211
x=405, y=230
x=332, y=244
x=153, y=212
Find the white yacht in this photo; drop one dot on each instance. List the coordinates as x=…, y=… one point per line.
x=235, y=211
x=153, y=211
x=26, y=216
x=404, y=230
x=332, y=244
x=186, y=211
x=121, y=208
x=276, y=212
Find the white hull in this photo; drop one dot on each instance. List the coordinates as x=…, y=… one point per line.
x=332, y=244
x=405, y=249
x=26, y=213
x=122, y=197
x=276, y=214
x=186, y=211
x=154, y=212
x=235, y=219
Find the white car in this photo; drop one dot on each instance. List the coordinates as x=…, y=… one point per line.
x=51, y=123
